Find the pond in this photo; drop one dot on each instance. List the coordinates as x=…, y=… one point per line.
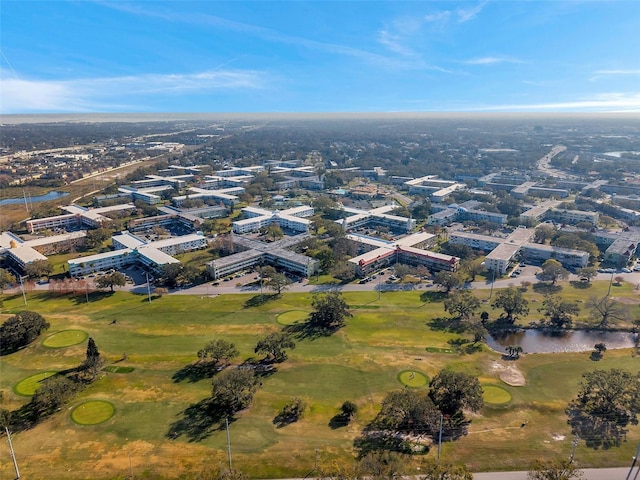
x=539, y=341
x=40, y=198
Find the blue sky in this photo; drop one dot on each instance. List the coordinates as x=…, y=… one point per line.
x=322, y=56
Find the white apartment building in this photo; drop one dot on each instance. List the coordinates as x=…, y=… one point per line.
x=291, y=219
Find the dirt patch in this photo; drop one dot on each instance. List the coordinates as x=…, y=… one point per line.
x=627, y=300
x=509, y=374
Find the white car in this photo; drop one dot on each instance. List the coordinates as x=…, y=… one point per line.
x=626, y=270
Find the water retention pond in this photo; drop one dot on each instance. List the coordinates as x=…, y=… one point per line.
x=541, y=341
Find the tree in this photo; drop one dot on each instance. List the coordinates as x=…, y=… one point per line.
x=607, y=402
x=330, y=311
x=274, y=231
x=599, y=349
x=94, y=238
x=92, y=362
x=278, y=282
x=448, y=280
x=292, y=411
x=6, y=279
x=110, y=280
x=552, y=270
x=463, y=304
x=559, y=312
x=605, y=310
x=38, y=268
x=432, y=470
x=544, y=233
x=54, y=392
x=588, y=273
x=348, y=410
x=484, y=317
x=472, y=267
x=20, y=330
x=514, y=351
x=453, y=392
x=408, y=411
x=381, y=465
x=233, y=389
x=512, y=302
x=274, y=346
x=216, y=351
x=556, y=469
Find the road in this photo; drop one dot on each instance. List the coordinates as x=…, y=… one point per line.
x=529, y=275
x=589, y=474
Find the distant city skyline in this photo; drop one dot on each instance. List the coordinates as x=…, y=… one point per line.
x=335, y=56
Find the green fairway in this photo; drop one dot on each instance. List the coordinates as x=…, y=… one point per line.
x=161, y=400
x=29, y=385
x=65, y=338
x=292, y=317
x=92, y=412
x=494, y=395
x=413, y=379
x=117, y=369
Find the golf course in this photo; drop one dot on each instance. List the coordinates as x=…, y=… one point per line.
x=144, y=412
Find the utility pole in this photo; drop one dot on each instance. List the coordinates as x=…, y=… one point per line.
x=86, y=291
x=13, y=455
x=440, y=439
x=379, y=287
x=610, y=283
x=226, y=421
x=148, y=286
x=24, y=295
x=130, y=465
x=493, y=279
x=315, y=463
x=633, y=464
x=574, y=444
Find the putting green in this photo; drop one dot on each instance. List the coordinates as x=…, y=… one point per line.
x=494, y=395
x=92, y=412
x=413, y=378
x=65, y=338
x=291, y=317
x=28, y=386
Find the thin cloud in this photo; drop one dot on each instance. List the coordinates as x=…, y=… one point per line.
x=492, y=60
x=618, y=72
x=90, y=94
x=464, y=15
x=442, y=16
x=263, y=33
x=603, y=102
x=394, y=43
x=598, y=74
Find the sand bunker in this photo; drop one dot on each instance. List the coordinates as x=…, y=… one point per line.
x=510, y=374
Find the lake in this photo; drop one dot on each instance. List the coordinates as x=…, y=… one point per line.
x=538, y=341
x=40, y=198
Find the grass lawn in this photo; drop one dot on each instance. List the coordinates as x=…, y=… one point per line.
x=65, y=338
x=92, y=412
x=29, y=385
x=157, y=412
